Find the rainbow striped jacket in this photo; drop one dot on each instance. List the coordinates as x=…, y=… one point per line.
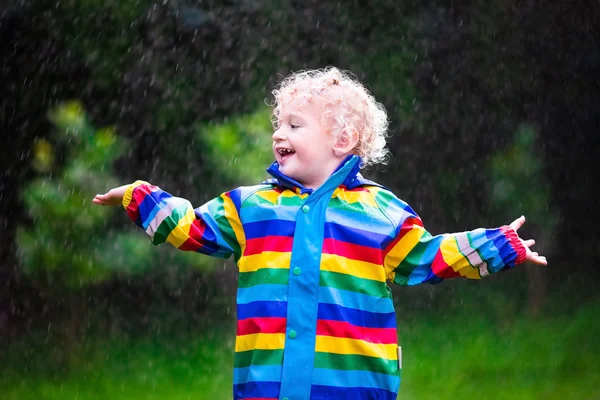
x=315, y=317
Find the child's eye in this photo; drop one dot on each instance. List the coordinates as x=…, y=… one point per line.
x=294, y=126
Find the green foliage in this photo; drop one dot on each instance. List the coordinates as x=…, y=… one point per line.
x=239, y=149
x=62, y=242
x=70, y=241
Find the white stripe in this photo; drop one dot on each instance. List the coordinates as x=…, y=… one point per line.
x=465, y=247
x=165, y=212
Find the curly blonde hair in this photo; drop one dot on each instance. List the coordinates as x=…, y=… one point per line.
x=348, y=108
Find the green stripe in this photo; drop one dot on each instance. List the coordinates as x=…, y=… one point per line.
x=168, y=224
x=276, y=276
x=353, y=284
x=356, y=362
x=384, y=198
x=400, y=280
x=258, y=357
x=217, y=208
x=257, y=200
x=413, y=258
x=359, y=207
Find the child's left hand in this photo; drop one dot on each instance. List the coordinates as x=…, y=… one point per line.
x=532, y=256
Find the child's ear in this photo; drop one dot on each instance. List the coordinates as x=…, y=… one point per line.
x=345, y=144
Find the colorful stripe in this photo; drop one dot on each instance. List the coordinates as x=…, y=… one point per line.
x=369, y=236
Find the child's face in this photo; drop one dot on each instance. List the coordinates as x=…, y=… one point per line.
x=302, y=145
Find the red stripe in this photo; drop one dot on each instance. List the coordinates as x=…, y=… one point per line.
x=260, y=325
x=280, y=244
x=343, y=329
x=407, y=226
x=352, y=251
x=515, y=243
x=356, y=189
x=196, y=231
x=441, y=267
x=133, y=210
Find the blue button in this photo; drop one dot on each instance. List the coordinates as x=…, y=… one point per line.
x=292, y=334
x=305, y=208
x=297, y=271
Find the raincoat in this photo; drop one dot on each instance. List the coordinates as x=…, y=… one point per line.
x=315, y=317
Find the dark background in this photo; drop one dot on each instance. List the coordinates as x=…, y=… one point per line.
x=493, y=109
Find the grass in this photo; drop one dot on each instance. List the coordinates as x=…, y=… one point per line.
x=459, y=357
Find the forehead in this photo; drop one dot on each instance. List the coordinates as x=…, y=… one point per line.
x=302, y=108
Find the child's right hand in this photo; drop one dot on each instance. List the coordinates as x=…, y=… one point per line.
x=114, y=197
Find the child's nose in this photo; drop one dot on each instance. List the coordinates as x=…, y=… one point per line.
x=278, y=135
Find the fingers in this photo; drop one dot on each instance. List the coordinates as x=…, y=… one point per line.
x=100, y=199
x=529, y=242
x=517, y=223
x=105, y=200
x=537, y=259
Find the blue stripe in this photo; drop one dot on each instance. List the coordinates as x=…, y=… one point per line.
x=260, y=309
x=355, y=300
x=490, y=253
x=236, y=198
x=355, y=235
x=265, y=292
x=276, y=227
x=212, y=237
x=354, y=378
x=256, y=389
x=365, y=319
x=505, y=249
x=151, y=204
x=319, y=392
x=264, y=213
x=257, y=373
x=148, y=210
x=422, y=273
x=357, y=220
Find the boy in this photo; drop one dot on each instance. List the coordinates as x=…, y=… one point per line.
x=315, y=246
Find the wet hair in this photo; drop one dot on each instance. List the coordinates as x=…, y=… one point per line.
x=348, y=108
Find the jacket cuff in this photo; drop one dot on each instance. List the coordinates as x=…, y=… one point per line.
x=516, y=244
x=127, y=197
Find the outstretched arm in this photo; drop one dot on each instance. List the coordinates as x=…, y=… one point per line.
x=213, y=229
x=414, y=256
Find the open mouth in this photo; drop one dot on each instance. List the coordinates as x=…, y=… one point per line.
x=285, y=153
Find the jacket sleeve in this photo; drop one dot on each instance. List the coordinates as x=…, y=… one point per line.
x=414, y=256
x=213, y=229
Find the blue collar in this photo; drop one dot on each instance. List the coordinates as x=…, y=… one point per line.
x=351, y=181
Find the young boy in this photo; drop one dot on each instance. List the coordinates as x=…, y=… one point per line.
x=315, y=246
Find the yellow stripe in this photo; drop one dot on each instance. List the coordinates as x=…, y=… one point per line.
x=456, y=260
x=355, y=197
x=127, y=197
x=267, y=259
x=399, y=252
x=260, y=341
x=360, y=269
x=181, y=232
x=272, y=196
x=328, y=344
x=234, y=220
x=269, y=195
